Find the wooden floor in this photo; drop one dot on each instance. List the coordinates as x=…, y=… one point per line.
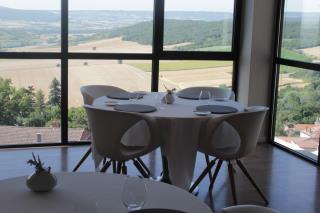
x=291, y=184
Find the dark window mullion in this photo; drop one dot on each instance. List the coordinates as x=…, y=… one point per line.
x=298, y=64
x=157, y=44
x=276, y=68
x=236, y=43
x=64, y=71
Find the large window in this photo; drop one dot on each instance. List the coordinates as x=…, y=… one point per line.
x=297, y=97
x=48, y=49
x=121, y=26
x=198, y=25
x=30, y=26
x=30, y=101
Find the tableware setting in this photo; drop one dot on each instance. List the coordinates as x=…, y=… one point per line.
x=140, y=108
x=111, y=103
x=202, y=113
x=127, y=95
x=216, y=109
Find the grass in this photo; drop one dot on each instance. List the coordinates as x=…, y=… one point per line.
x=294, y=55
x=216, y=48
x=183, y=65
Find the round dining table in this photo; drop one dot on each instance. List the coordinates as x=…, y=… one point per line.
x=100, y=190
x=179, y=128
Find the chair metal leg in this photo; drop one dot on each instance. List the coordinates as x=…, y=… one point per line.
x=165, y=170
x=82, y=160
x=114, y=167
x=232, y=183
x=104, y=161
x=106, y=166
x=140, y=169
x=208, y=161
x=245, y=171
x=119, y=166
x=144, y=166
x=124, y=168
x=215, y=174
x=202, y=175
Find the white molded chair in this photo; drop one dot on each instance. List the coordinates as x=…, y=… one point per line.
x=248, y=209
x=215, y=92
x=89, y=93
x=241, y=132
x=108, y=129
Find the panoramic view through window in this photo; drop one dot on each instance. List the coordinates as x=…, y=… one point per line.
x=298, y=112
x=121, y=26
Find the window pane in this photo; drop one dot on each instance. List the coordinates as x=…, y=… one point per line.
x=301, y=31
x=128, y=75
x=298, y=113
x=183, y=74
x=29, y=101
x=121, y=26
x=30, y=26
x=203, y=25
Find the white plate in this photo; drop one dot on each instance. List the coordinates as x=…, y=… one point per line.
x=221, y=99
x=111, y=103
x=202, y=113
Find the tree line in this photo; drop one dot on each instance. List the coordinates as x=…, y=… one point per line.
x=28, y=107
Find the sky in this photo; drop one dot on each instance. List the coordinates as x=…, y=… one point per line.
x=186, y=5
x=182, y=5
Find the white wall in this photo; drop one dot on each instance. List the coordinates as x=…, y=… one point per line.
x=256, y=54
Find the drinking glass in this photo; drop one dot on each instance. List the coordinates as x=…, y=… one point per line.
x=158, y=101
x=134, y=193
x=205, y=97
x=133, y=96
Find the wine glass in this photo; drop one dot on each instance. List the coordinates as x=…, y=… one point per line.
x=158, y=99
x=134, y=193
x=205, y=97
x=133, y=96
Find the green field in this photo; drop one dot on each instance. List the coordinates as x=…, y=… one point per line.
x=216, y=48
x=294, y=55
x=183, y=65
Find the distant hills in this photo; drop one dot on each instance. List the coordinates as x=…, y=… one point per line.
x=198, y=34
x=28, y=15
x=195, y=30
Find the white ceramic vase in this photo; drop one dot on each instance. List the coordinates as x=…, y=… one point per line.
x=43, y=181
x=168, y=98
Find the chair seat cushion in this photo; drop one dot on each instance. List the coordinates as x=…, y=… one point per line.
x=225, y=140
x=137, y=136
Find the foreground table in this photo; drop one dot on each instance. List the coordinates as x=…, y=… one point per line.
x=104, y=189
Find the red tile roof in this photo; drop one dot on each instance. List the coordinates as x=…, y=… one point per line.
x=28, y=135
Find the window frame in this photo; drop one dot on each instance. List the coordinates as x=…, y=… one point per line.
x=155, y=56
x=277, y=62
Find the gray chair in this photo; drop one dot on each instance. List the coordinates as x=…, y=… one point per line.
x=248, y=209
x=108, y=129
x=230, y=138
x=215, y=92
x=89, y=94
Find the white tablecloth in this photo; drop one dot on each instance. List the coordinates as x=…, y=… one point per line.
x=179, y=127
x=87, y=189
